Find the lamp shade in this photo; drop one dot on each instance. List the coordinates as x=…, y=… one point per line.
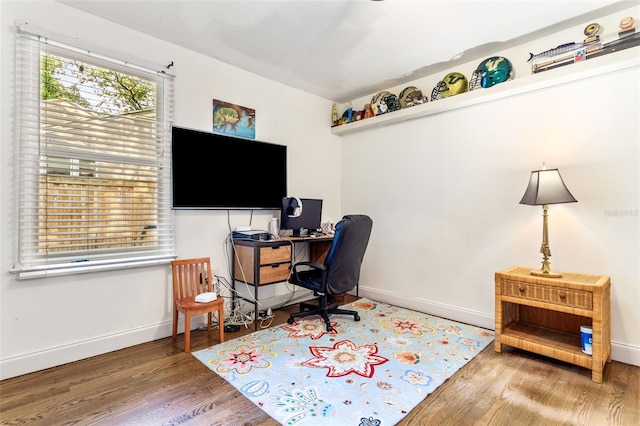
x=546, y=187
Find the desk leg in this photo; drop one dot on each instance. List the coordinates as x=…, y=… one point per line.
x=255, y=307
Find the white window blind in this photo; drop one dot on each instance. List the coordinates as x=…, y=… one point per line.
x=93, y=165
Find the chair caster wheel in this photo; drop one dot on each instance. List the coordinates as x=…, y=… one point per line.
x=290, y=321
x=356, y=317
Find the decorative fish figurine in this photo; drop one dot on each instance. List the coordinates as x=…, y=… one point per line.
x=553, y=52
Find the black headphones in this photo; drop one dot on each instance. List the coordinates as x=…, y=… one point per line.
x=297, y=211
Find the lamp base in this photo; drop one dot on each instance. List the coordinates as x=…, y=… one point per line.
x=541, y=273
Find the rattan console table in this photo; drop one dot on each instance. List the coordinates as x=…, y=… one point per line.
x=544, y=315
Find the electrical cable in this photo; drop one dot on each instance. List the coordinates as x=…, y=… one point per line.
x=237, y=316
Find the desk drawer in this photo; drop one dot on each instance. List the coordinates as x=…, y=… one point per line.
x=274, y=273
x=278, y=254
x=548, y=294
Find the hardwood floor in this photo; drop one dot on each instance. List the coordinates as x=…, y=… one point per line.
x=156, y=383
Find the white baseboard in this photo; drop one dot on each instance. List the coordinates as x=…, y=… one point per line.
x=626, y=353
x=621, y=352
x=438, y=309
x=52, y=357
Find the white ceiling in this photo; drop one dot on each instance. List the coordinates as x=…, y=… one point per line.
x=346, y=49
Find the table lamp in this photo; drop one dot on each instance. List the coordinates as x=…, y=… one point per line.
x=546, y=187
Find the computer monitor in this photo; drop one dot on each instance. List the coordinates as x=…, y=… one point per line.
x=309, y=219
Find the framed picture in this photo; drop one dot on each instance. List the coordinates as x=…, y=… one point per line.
x=232, y=119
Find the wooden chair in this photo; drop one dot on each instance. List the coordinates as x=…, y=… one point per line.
x=190, y=278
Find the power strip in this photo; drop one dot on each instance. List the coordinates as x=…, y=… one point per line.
x=263, y=315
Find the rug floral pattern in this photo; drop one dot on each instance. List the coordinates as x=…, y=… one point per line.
x=366, y=373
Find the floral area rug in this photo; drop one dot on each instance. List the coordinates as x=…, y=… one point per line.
x=366, y=373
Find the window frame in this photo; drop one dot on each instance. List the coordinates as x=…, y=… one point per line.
x=30, y=262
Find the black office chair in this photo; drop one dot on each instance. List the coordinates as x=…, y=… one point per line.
x=340, y=272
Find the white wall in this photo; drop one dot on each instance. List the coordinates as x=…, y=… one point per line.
x=444, y=192
x=46, y=322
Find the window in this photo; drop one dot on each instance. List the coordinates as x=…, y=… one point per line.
x=69, y=166
x=94, y=161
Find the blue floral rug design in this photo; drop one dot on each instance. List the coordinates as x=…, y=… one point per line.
x=366, y=373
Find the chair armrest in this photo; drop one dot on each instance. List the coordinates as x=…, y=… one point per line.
x=314, y=267
x=309, y=264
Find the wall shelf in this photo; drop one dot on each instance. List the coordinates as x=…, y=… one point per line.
x=627, y=58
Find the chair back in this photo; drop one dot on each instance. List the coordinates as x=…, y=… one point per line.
x=191, y=277
x=347, y=250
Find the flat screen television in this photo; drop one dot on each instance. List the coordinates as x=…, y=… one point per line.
x=214, y=171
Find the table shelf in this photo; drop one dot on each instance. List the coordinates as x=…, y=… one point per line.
x=555, y=344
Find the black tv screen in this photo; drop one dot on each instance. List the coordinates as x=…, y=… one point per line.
x=214, y=171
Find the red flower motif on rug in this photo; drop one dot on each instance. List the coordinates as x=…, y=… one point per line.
x=243, y=359
x=407, y=326
x=314, y=328
x=345, y=358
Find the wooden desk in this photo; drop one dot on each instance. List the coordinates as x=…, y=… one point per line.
x=544, y=315
x=259, y=262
